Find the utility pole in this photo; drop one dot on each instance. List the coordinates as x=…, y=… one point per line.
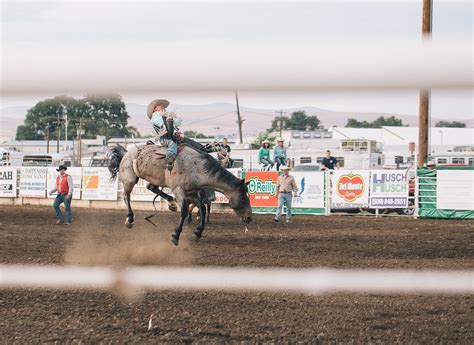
x=424, y=110
x=47, y=139
x=239, y=118
x=281, y=112
x=58, y=129
x=80, y=141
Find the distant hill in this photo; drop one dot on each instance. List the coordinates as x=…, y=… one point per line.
x=214, y=118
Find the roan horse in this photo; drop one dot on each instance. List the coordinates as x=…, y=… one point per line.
x=192, y=171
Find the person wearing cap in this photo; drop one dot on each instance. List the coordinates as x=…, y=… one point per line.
x=279, y=154
x=64, y=188
x=285, y=188
x=264, y=155
x=165, y=125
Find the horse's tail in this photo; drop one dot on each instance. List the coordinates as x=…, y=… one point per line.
x=116, y=154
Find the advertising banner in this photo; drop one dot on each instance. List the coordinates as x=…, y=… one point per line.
x=455, y=190
x=262, y=188
x=310, y=189
x=140, y=193
x=76, y=174
x=96, y=184
x=33, y=181
x=388, y=189
x=350, y=189
x=221, y=198
x=7, y=182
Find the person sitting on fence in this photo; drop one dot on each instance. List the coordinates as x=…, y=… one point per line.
x=224, y=154
x=279, y=154
x=264, y=155
x=64, y=187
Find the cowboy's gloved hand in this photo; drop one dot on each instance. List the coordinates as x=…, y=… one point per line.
x=178, y=134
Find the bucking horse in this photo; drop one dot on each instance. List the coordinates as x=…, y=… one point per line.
x=192, y=172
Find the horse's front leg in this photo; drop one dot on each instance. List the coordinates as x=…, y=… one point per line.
x=184, y=205
x=202, y=218
x=208, y=212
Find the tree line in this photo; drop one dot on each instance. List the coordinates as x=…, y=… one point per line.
x=100, y=115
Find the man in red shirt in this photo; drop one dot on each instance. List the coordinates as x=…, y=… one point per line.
x=64, y=188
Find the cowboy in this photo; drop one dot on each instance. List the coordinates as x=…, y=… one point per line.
x=64, y=188
x=279, y=154
x=164, y=125
x=286, y=186
x=264, y=155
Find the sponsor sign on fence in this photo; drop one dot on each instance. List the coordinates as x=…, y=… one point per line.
x=455, y=189
x=33, y=182
x=388, y=189
x=350, y=188
x=76, y=174
x=96, y=184
x=262, y=188
x=221, y=198
x=310, y=189
x=7, y=182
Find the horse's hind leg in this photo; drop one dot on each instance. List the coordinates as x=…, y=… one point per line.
x=172, y=206
x=126, y=197
x=184, y=205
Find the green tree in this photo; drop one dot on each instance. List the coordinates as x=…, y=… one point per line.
x=452, y=124
x=195, y=134
x=101, y=115
x=298, y=120
x=257, y=143
x=378, y=123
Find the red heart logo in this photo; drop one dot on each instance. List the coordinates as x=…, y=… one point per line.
x=350, y=187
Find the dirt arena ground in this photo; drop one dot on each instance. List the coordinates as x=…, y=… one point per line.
x=28, y=236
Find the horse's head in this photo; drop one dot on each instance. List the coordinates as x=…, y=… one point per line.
x=240, y=203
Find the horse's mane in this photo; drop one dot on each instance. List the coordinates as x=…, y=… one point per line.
x=215, y=170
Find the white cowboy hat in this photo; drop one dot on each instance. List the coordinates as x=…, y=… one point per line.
x=280, y=139
x=284, y=167
x=265, y=142
x=154, y=103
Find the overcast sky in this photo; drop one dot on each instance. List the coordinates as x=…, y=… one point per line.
x=87, y=24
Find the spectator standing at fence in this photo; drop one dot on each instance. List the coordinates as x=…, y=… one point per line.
x=285, y=188
x=279, y=154
x=64, y=188
x=264, y=155
x=329, y=162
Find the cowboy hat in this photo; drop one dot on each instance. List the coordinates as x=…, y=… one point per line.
x=265, y=142
x=154, y=103
x=279, y=139
x=61, y=167
x=284, y=167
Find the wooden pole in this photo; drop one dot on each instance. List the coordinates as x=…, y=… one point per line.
x=281, y=112
x=80, y=142
x=423, y=118
x=239, y=118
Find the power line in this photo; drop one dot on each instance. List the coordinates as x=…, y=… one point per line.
x=211, y=118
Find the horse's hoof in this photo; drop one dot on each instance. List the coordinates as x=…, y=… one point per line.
x=198, y=235
x=128, y=224
x=174, y=240
x=173, y=206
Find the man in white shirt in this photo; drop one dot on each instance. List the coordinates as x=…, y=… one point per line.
x=285, y=188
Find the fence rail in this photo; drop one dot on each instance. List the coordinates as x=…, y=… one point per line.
x=310, y=281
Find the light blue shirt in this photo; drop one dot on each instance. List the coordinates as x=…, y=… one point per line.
x=279, y=152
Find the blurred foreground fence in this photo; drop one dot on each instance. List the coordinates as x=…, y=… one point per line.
x=309, y=281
